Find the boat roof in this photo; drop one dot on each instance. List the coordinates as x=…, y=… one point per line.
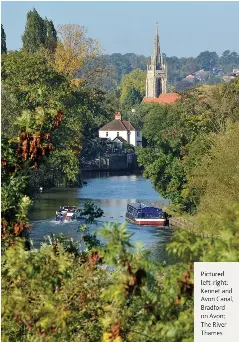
x=139, y=205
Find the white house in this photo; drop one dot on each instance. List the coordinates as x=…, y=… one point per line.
x=123, y=129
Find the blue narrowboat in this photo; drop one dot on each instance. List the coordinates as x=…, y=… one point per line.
x=142, y=214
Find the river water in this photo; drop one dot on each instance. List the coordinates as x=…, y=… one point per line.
x=110, y=192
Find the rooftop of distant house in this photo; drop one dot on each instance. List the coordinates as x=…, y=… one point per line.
x=118, y=125
x=163, y=98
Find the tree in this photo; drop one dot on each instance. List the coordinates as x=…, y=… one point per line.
x=132, y=98
x=74, y=50
x=51, y=36
x=39, y=96
x=33, y=81
x=180, y=134
x=9, y=113
x=173, y=67
x=191, y=65
x=37, y=88
x=207, y=60
x=213, y=176
x=229, y=60
x=183, y=85
x=137, y=116
x=3, y=40
x=135, y=79
x=34, y=35
x=225, y=58
x=214, y=80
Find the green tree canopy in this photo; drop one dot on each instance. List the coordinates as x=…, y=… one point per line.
x=207, y=60
x=34, y=35
x=183, y=85
x=38, y=33
x=9, y=112
x=3, y=40
x=51, y=36
x=132, y=98
x=179, y=135
x=135, y=79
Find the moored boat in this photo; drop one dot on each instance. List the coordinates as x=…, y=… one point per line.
x=66, y=213
x=142, y=214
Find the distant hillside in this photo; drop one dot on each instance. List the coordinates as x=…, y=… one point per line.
x=120, y=65
x=178, y=68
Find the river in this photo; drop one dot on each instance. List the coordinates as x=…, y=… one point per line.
x=110, y=192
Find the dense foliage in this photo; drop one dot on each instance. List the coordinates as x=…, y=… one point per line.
x=179, y=135
x=121, y=65
x=3, y=40
x=135, y=80
x=47, y=120
x=38, y=33
x=109, y=290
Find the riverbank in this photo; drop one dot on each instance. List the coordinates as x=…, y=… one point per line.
x=112, y=162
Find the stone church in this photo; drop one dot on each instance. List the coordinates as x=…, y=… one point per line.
x=156, y=80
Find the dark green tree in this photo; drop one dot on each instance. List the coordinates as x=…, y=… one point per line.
x=225, y=58
x=207, y=60
x=229, y=60
x=3, y=40
x=132, y=98
x=9, y=112
x=51, y=35
x=35, y=32
x=182, y=85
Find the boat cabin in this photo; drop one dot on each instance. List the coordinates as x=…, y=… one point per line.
x=140, y=210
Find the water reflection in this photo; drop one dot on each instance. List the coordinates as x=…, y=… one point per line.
x=112, y=193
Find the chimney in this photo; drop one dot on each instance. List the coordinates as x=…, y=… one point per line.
x=117, y=116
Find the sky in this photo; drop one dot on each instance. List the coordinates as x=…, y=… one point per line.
x=185, y=28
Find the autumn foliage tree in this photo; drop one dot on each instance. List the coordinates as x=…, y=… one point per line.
x=40, y=97
x=74, y=50
x=109, y=290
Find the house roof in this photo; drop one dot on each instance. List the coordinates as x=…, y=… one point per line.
x=117, y=126
x=128, y=125
x=120, y=139
x=105, y=139
x=163, y=98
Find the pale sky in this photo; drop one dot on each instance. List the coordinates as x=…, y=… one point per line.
x=185, y=28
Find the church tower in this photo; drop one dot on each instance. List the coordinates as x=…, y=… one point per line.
x=156, y=81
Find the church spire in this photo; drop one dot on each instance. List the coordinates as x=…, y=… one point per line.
x=156, y=81
x=156, y=54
